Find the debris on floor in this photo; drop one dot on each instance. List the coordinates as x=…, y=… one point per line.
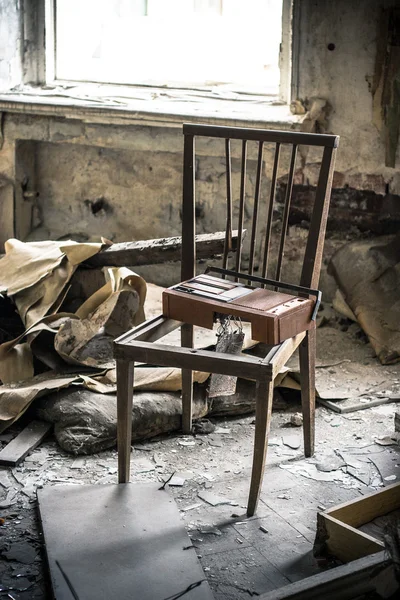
x=367, y=273
x=220, y=473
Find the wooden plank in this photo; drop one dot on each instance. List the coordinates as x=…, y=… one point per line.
x=244, y=366
x=122, y=541
x=365, y=509
x=345, y=582
x=284, y=137
x=343, y=541
x=151, y=252
x=25, y=442
x=337, y=526
x=348, y=406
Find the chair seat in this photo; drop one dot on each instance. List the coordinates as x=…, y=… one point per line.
x=274, y=316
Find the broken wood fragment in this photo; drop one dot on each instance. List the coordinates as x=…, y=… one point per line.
x=345, y=582
x=25, y=442
x=151, y=252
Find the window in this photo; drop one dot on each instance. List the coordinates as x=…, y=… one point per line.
x=229, y=45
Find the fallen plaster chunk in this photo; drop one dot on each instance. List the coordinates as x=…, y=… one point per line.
x=388, y=440
x=208, y=476
x=159, y=462
x=177, y=480
x=310, y=471
x=203, y=426
x=292, y=441
x=21, y=552
x=215, y=441
x=222, y=430
x=78, y=463
x=4, y=480
x=209, y=529
x=215, y=500
x=275, y=442
x=143, y=465
x=191, y=507
x=9, y=499
x=296, y=420
x=330, y=463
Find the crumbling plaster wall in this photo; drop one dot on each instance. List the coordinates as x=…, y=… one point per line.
x=336, y=52
x=122, y=180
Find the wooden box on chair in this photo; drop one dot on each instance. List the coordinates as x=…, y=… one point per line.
x=274, y=316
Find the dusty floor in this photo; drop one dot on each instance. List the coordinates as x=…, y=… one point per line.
x=239, y=558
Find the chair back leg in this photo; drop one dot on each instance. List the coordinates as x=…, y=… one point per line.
x=187, y=382
x=307, y=375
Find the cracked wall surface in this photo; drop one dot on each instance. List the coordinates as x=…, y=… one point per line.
x=78, y=176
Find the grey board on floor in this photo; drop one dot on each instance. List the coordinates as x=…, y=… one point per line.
x=124, y=541
x=25, y=442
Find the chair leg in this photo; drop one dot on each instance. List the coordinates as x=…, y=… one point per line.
x=187, y=382
x=125, y=371
x=264, y=397
x=307, y=376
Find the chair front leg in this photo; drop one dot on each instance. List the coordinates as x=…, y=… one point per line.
x=187, y=381
x=307, y=375
x=264, y=397
x=125, y=370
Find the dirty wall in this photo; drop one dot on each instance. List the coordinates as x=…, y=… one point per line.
x=64, y=176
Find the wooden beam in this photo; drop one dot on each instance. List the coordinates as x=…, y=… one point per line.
x=336, y=527
x=362, y=510
x=343, y=541
x=25, y=442
x=345, y=582
x=151, y=252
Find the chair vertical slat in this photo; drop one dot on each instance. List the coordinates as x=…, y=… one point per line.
x=270, y=210
x=286, y=210
x=315, y=242
x=188, y=261
x=228, y=230
x=241, y=207
x=255, y=208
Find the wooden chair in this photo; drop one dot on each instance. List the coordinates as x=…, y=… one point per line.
x=140, y=345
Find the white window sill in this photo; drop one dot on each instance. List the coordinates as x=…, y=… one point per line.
x=148, y=106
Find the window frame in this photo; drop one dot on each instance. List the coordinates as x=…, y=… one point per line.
x=39, y=56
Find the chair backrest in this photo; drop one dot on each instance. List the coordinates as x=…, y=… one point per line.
x=237, y=201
